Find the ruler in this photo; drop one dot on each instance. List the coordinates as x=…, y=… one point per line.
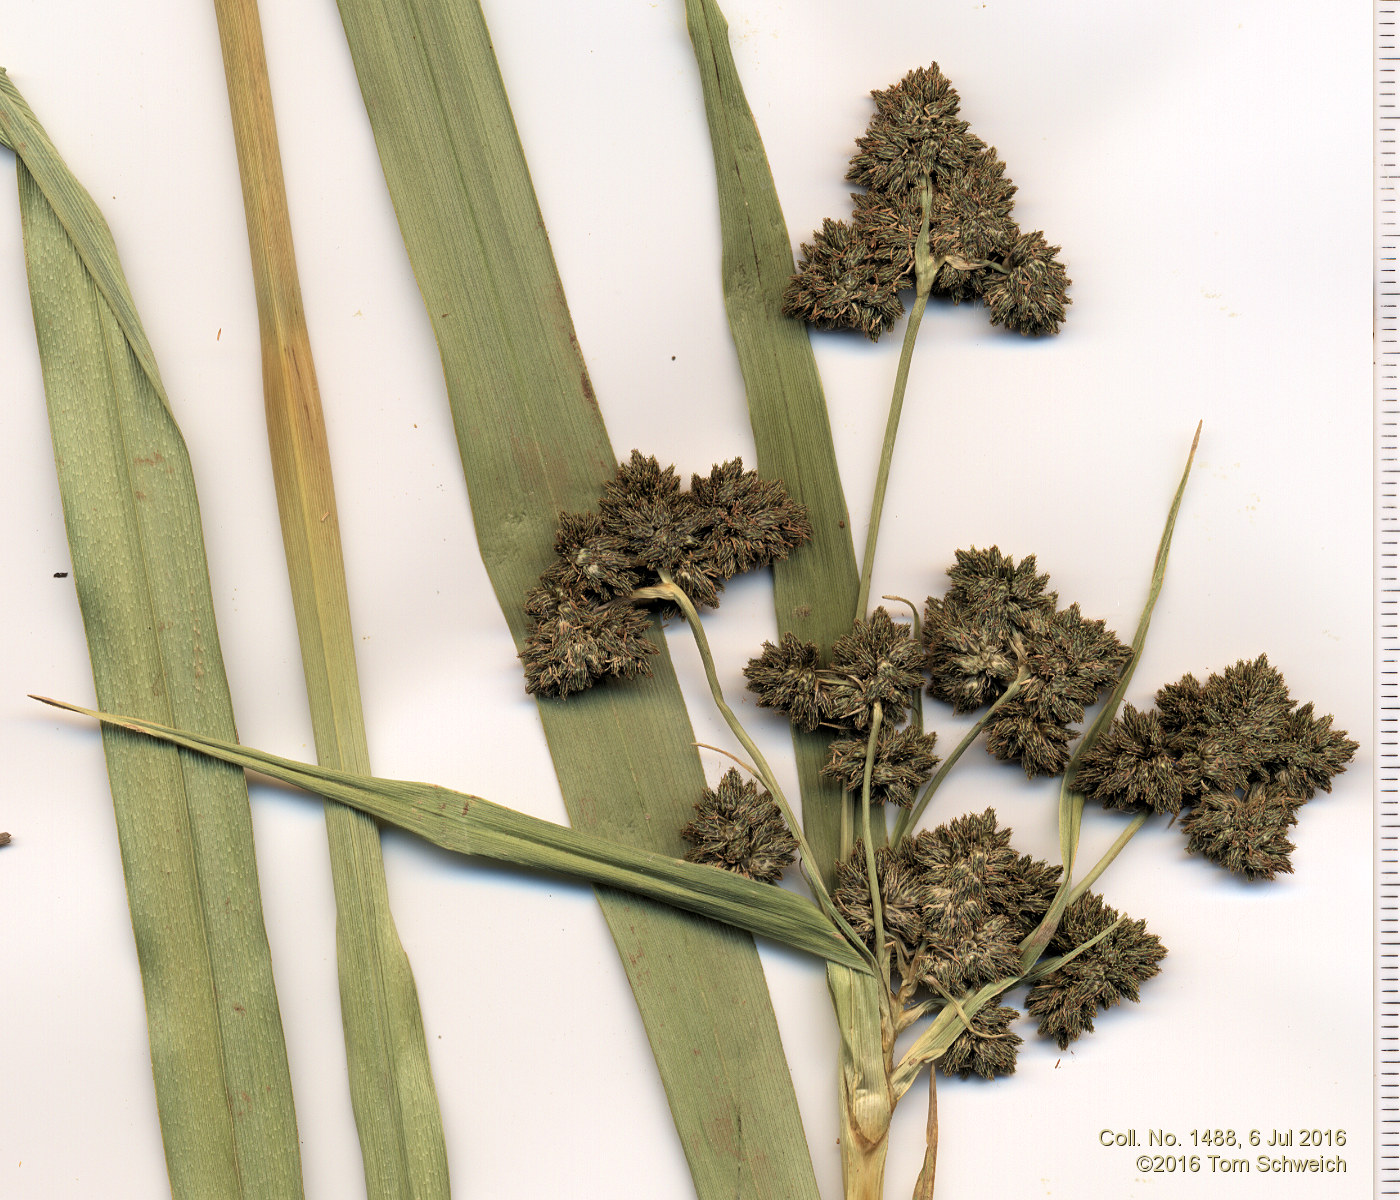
x=1387, y=609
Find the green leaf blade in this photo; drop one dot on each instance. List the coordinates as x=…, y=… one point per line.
x=218, y=1058
x=814, y=591
x=533, y=443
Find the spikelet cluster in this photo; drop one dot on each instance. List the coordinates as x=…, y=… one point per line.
x=1111, y=970
x=903, y=762
x=1237, y=752
x=851, y=273
x=877, y=662
x=741, y=829
x=585, y=625
x=955, y=903
x=997, y=620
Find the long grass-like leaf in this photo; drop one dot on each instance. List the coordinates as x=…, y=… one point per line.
x=217, y=1052
x=470, y=825
x=814, y=592
x=391, y=1081
x=532, y=443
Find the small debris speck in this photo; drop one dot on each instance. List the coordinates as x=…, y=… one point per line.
x=60, y=574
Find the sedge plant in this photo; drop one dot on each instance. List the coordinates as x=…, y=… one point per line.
x=953, y=918
x=927, y=931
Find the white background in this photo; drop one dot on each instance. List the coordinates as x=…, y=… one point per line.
x=1205, y=166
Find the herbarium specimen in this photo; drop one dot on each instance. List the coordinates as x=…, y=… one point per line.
x=928, y=930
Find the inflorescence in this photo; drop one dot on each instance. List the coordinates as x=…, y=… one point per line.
x=957, y=901
x=741, y=829
x=950, y=919
x=1236, y=752
x=878, y=662
x=851, y=273
x=958, y=905
x=996, y=627
x=586, y=625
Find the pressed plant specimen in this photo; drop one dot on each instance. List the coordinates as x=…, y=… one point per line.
x=962, y=893
x=951, y=919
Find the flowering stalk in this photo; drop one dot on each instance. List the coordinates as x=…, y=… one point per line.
x=925, y=273
x=668, y=590
x=882, y=953
x=909, y=818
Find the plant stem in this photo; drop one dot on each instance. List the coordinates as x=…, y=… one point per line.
x=882, y=951
x=867, y=1099
x=1033, y=946
x=670, y=590
x=910, y=816
x=925, y=273
x=749, y=767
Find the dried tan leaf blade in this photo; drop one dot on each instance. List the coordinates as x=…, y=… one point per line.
x=390, y=1077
